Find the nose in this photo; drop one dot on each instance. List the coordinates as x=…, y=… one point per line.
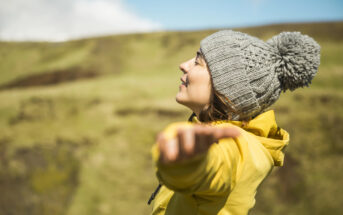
x=184, y=67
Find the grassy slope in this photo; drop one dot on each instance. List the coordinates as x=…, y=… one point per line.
x=84, y=147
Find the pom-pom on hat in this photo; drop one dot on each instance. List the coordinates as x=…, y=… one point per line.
x=252, y=73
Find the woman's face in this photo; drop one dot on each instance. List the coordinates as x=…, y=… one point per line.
x=195, y=90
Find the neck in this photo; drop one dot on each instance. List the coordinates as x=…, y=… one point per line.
x=197, y=111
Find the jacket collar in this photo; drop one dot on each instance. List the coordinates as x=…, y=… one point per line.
x=260, y=125
x=264, y=126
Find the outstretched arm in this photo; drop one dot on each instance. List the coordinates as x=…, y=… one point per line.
x=190, y=142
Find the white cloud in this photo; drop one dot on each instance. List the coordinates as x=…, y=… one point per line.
x=58, y=20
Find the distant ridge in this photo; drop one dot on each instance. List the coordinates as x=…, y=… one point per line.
x=28, y=64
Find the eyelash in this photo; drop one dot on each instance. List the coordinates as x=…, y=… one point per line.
x=196, y=63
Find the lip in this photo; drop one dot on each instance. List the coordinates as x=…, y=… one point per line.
x=183, y=82
x=182, y=85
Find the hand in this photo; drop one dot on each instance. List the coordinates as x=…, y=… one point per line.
x=191, y=141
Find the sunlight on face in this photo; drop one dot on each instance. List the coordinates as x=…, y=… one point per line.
x=195, y=89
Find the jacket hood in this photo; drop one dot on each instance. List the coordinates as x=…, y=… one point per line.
x=264, y=127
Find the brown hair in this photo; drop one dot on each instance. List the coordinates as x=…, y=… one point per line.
x=220, y=108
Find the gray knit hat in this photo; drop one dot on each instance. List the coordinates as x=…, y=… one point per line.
x=252, y=73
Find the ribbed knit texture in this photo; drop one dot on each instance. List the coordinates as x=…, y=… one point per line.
x=252, y=73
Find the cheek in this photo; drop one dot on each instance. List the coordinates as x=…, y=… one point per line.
x=199, y=89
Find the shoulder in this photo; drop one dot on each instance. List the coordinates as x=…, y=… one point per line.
x=245, y=146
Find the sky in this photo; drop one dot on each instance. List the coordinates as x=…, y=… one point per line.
x=60, y=20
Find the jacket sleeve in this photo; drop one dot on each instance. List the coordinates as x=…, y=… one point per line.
x=211, y=173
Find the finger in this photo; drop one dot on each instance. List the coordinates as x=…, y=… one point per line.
x=201, y=142
x=186, y=142
x=161, y=144
x=160, y=138
x=172, y=150
x=208, y=133
x=231, y=132
x=211, y=138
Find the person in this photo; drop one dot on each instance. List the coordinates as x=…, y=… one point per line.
x=214, y=162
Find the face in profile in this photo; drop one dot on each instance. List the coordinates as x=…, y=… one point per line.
x=195, y=90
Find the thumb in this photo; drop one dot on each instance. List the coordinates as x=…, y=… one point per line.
x=225, y=133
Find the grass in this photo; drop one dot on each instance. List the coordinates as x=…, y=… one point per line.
x=83, y=147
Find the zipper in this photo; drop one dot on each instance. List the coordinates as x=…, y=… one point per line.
x=152, y=197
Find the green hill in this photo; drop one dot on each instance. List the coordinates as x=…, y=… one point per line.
x=78, y=119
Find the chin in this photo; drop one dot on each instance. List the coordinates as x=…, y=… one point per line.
x=179, y=99
x=182, y=101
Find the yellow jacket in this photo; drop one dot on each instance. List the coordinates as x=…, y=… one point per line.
x=223, y=180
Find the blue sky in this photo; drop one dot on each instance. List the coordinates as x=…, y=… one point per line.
x=60, y=20
x=194, y=14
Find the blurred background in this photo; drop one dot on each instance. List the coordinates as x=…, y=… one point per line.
x=85, y=85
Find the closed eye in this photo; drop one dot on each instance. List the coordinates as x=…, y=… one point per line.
x=196, y=58
x=196, y=61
